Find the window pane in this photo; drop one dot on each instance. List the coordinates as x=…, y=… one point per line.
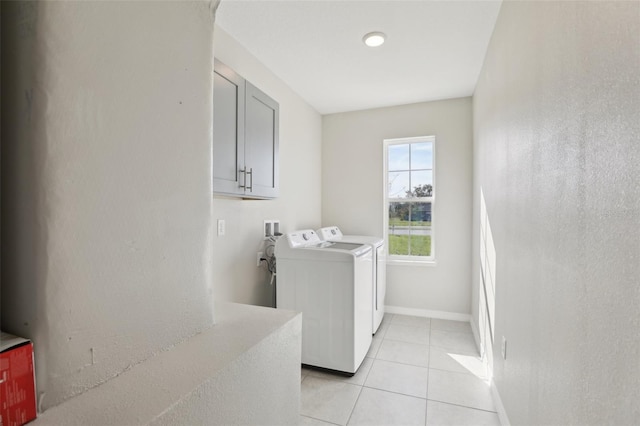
x=398, y=184
x=422, y=155
x=410, y=229
x=398, y=214
x=422, y=183
x=398, y=228
x=398, y=157
x=420, y=229
x=421, y=215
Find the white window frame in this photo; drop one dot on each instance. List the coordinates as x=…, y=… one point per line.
x=407, y=259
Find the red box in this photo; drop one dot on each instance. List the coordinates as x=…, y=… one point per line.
x=17, y=381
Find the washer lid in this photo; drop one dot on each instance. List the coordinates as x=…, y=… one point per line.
x=356, y=249
x=363, y=239
x=346, y=246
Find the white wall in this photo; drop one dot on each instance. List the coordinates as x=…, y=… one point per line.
x=352, y=193
x=556, y=125
x=237, y=278
x=106, y=183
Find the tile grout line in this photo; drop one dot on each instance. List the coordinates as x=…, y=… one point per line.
x=462, y=406
x=369, y=372
x=405, y=341
x=402, y=363
x=320, y=420
x=426, y=402
x=366, y=377
x=394, y=392
x=354, y=406
x=343, y=383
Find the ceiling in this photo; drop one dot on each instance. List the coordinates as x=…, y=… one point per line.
x=434, y=49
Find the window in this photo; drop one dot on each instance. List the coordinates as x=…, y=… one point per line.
x=409, y=198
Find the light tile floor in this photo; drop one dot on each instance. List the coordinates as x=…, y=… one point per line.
x=419, y=371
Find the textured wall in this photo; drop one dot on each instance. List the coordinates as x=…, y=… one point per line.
x=106, y=183
x=237, y=278
x=261, y=386
x=243, y=371
x=556, y=125
x=352, y=193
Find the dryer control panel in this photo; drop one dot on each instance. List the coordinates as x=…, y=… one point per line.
x=330, y=233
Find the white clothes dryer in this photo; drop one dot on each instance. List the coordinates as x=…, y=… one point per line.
x=333, y=233
x=331, y=283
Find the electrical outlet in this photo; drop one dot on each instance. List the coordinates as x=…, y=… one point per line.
x=260, y=256
x=504, y=347
x=222, y=228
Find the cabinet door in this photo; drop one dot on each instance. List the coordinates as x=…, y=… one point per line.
x=228, y=130
x=261, y=143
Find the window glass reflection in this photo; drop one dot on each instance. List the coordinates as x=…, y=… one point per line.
x=421, y=155
x=398, y=184
x=398, y=157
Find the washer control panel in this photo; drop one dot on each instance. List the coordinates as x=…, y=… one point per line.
x=303, y=238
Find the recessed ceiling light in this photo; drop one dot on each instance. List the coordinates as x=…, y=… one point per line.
x=374, y=39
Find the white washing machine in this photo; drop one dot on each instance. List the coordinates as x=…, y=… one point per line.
x=331, y=284
x=333, y=233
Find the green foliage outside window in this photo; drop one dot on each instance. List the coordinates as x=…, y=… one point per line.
x=420, y=245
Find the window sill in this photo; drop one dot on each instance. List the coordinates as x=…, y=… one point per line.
x=405, y=262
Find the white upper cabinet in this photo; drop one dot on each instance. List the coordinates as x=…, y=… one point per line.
x=245, y=137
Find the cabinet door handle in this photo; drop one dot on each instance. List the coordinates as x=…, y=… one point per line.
x=250, y=173
x=244, y=180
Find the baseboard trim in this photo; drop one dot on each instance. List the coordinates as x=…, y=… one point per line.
x=454, y=316
x=502, y=413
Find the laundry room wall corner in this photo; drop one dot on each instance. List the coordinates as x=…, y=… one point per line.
x=353, y=198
